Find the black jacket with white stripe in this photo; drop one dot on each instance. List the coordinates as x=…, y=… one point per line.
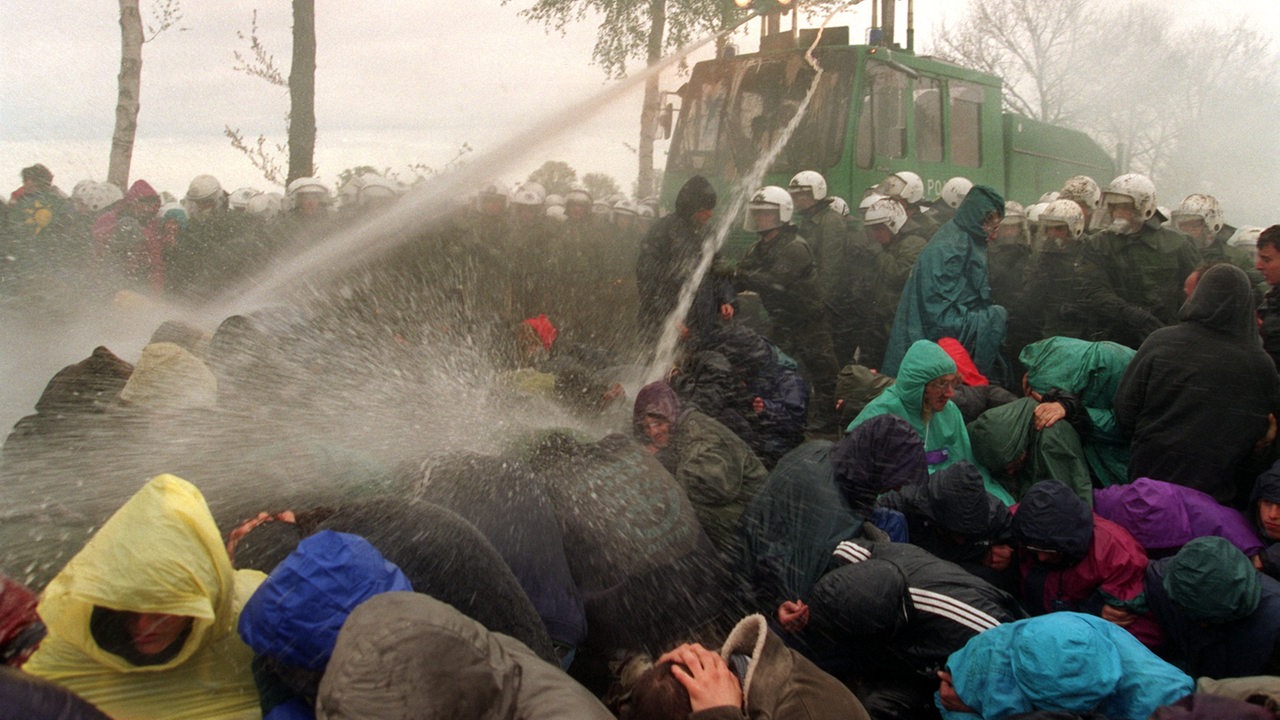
x=899, y=609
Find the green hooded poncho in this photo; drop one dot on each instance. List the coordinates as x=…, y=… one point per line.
x=1002, y=433
x=945, y=430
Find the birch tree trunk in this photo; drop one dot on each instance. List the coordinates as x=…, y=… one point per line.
x=302, y=92
x=652, y=100
x=129, y=91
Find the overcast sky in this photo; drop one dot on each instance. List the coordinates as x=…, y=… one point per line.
x=398, y=82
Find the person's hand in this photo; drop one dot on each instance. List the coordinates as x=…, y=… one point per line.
x=1265, y=441
x=793, y=615
x=947, y=694
x=709, y=681
x=726, y=312
x=1046, y=414
x=1116, y=615
x=757, y=405
x=1257, y=561
x=999, y=557
x=683, y=331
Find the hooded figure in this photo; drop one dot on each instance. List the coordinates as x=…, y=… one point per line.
x=1065, y=662
x=1006, y=441
x=1264, y=513
x=882, y=454
x=1221, y=617
x=945, y=438
x=1090, y=371
x=1074, y=560
x=159, y=554
x=1196, y=397
x=668, y=256
x=405, y=655
x=131, y=238
x=771, y=375
x=716, y=468
x=894, y=613
x=293, y=619
x=947, y=293
x=1163, y=517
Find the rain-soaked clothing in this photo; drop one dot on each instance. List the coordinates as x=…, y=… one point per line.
x=1220, y=616
x=1266, y=487
x=1132, y=284
x=1090, y=371
x=956, y=519
x=890, y=266
x=1006, y=435
x=295, y=615
x=945, y=438
x=159, y=553
x=1196, y=396
x=882, y=454
x=1269, y=317
x=1063, y=661
x=891, y=614
x=792, y=526
x=975, y=394
x=772, y=376
x=129, y=240
x=20, y=627
x=781, y=683
x=407, y=655
x=1163, y=517
x=1204, y=706
x=947, y=294
x=27, y=697
x=1100, y=563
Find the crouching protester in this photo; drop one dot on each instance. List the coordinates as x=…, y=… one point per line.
x=293, y=619
x=142, y=620
x=405, y=655
x=1063, y=662
x=754, y=675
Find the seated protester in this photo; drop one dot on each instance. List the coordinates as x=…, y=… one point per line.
x=1220, y=616
x=26, y=696
x=292, y=620
x=1025, y=441
x=1090, y=371
x=816, y=497
x=707, y=381
x=716, y=468
x=142, y=620
x=1200, y=398
x=442, y=554
x=1163, y=517
x=776, y=394
x=21, y=629
x=1264, y=513
x=521, y=523
x=1072, y=559
x=857, y=385
x=954, y=518
x=922, y=396
x=885, y=618
x=646, y=571
x=1065, y=661
x=754, y=675
x=405, y=655
x=574, y=374
x=974, y=394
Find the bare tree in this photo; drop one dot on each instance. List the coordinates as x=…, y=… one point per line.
x=167, y=14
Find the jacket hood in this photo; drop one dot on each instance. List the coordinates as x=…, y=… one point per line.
x=1000, y=434
x=140, y=190
x=159, y=553
x=884, y=453
x=656, y=398
x=924, y=361
x=1052, y=517
x=1213, y=581
x=981, y=201
x=968, y=372
x=169, y=377
x=696, y=194
x=1223, y=301
x=295, y=615
x=868, y=599
x=959, y=502
x=1062, y=662
x=744, y=347
x=89, y=384
x=1091, y=370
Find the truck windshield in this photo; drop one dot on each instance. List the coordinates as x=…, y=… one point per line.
x=733, y=110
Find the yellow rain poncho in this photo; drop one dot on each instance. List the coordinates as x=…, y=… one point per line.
x=159, y=553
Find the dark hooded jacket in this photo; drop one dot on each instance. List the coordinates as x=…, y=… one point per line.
x=955, y=518
x=771, y=375
x=947, y=294
x=1220, y=616
x=1266, y=487
x=900, y=610
x=26, y=696
x=1101, y=562
x=1196, y=397
x=882, y=454
x=406, y=655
